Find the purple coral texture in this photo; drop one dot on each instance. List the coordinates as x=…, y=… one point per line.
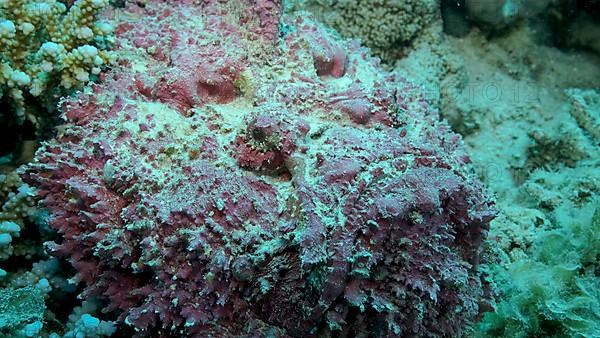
x=247, y=173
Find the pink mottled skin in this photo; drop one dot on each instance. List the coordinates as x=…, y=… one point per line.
x=329, y=58
x=229, y=179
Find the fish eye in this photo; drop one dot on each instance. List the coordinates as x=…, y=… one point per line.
x=258, y=134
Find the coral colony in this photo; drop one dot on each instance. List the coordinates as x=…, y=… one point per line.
x=44, y=45
x=243, y=172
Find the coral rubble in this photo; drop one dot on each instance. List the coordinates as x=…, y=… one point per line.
x=529, y=116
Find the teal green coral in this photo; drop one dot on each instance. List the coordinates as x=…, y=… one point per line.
x=44, y=45
x=19, y=309
x=553, y=293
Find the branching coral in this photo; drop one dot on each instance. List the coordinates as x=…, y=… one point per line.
x=82, y=324
x=44, y=45
x=16, y=209
x=24, y=286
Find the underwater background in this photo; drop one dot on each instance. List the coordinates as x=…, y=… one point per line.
x=300, y=168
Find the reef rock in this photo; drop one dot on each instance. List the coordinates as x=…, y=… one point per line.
x=244, y=173
x=500, y=13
